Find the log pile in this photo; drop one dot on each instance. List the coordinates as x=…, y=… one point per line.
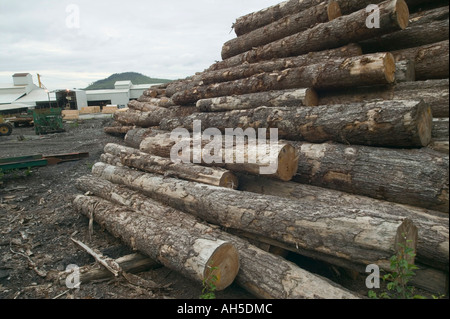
x=361, y=163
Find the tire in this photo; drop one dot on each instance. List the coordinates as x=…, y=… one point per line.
x=5, y=129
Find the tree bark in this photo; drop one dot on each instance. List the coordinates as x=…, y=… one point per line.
x=278, y=161
x=440, y=130
x=236, y=68
x=405, y=71
x=261, y=18
x=152, y=116
x=380, y=123
x=283, y=98
x=161, y=102
x=165, y=166
x=175, y=246
x=262, y=274
x=432, y=226
x=417, y=34
x=372, y=69
x=286, y=26
x=413, y=177
x=435, y=93
x=440, y=146
x=118, y=130
x=354, y=237
x=223, y=72
x=136, y=136
x=351, y=28
x=431, y=60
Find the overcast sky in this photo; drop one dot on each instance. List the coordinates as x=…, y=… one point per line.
x=76, y=42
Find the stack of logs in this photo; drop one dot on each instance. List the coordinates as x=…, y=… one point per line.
x=362, y=111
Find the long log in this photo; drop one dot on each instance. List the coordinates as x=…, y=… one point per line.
x=405, y=71
x=435, y=93
x=381, y=123
x=364, y=70
x=350, y=28
x=266, y=16
x=294, y=23
x=136, y=136
x=433, y=227
x=278, y=161
x=354, y=237
x=262, y=274
x=175, y=246
x=440, y=146
x=161, y=102
x=432, y=60
x=296, y=97
x=220, y=72
x=417, y=177
x=118, y=130
x=164, y=166
x=152, y=116
x=416, y=34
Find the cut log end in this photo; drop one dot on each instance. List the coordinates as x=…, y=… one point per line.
x=229, y=180
x=311, y=98
x=425, y=126
x=287, y=163
x=222, y=267
x=333, y=10
x=402, y=11
x=390, y=68
x=407, y=237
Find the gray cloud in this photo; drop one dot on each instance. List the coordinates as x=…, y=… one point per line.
x=166, y=39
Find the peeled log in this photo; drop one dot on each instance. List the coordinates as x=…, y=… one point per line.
x=262, y=274
x=356, y=236
x=175, y=246
x=380, y=123
x=433, y=226
x=297, y=97
x=284, y=27
x=164, y=166
x=417, y=177
x=435, y=93
x=364, y=70
x=278, y=161
x=350, y=28
x=432, y=60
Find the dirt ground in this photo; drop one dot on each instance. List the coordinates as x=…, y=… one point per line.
x=37, y=221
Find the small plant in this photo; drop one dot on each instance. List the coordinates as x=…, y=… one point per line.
x=28, y=172
x=209, y=284
x=398, y=279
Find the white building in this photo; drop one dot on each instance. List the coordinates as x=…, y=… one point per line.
x=123, y=92
x=23, y=94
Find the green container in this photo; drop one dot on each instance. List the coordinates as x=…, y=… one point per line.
x=47, y=121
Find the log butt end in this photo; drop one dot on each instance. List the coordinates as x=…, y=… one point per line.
x=223, y=266
x=402, y=10
x=229, y=180
x=287, y=163
x=390, y=67
x=333, y=10
x=425, y=125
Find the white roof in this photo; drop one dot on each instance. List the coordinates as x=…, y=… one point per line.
x=10, y=97
x=92, y=92
x=37, y=95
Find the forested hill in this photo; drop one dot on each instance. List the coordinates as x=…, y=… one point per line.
x=135, y=78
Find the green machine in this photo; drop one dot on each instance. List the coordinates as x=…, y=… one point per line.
x=47, y=121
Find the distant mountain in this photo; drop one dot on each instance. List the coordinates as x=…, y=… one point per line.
x=135, y=78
